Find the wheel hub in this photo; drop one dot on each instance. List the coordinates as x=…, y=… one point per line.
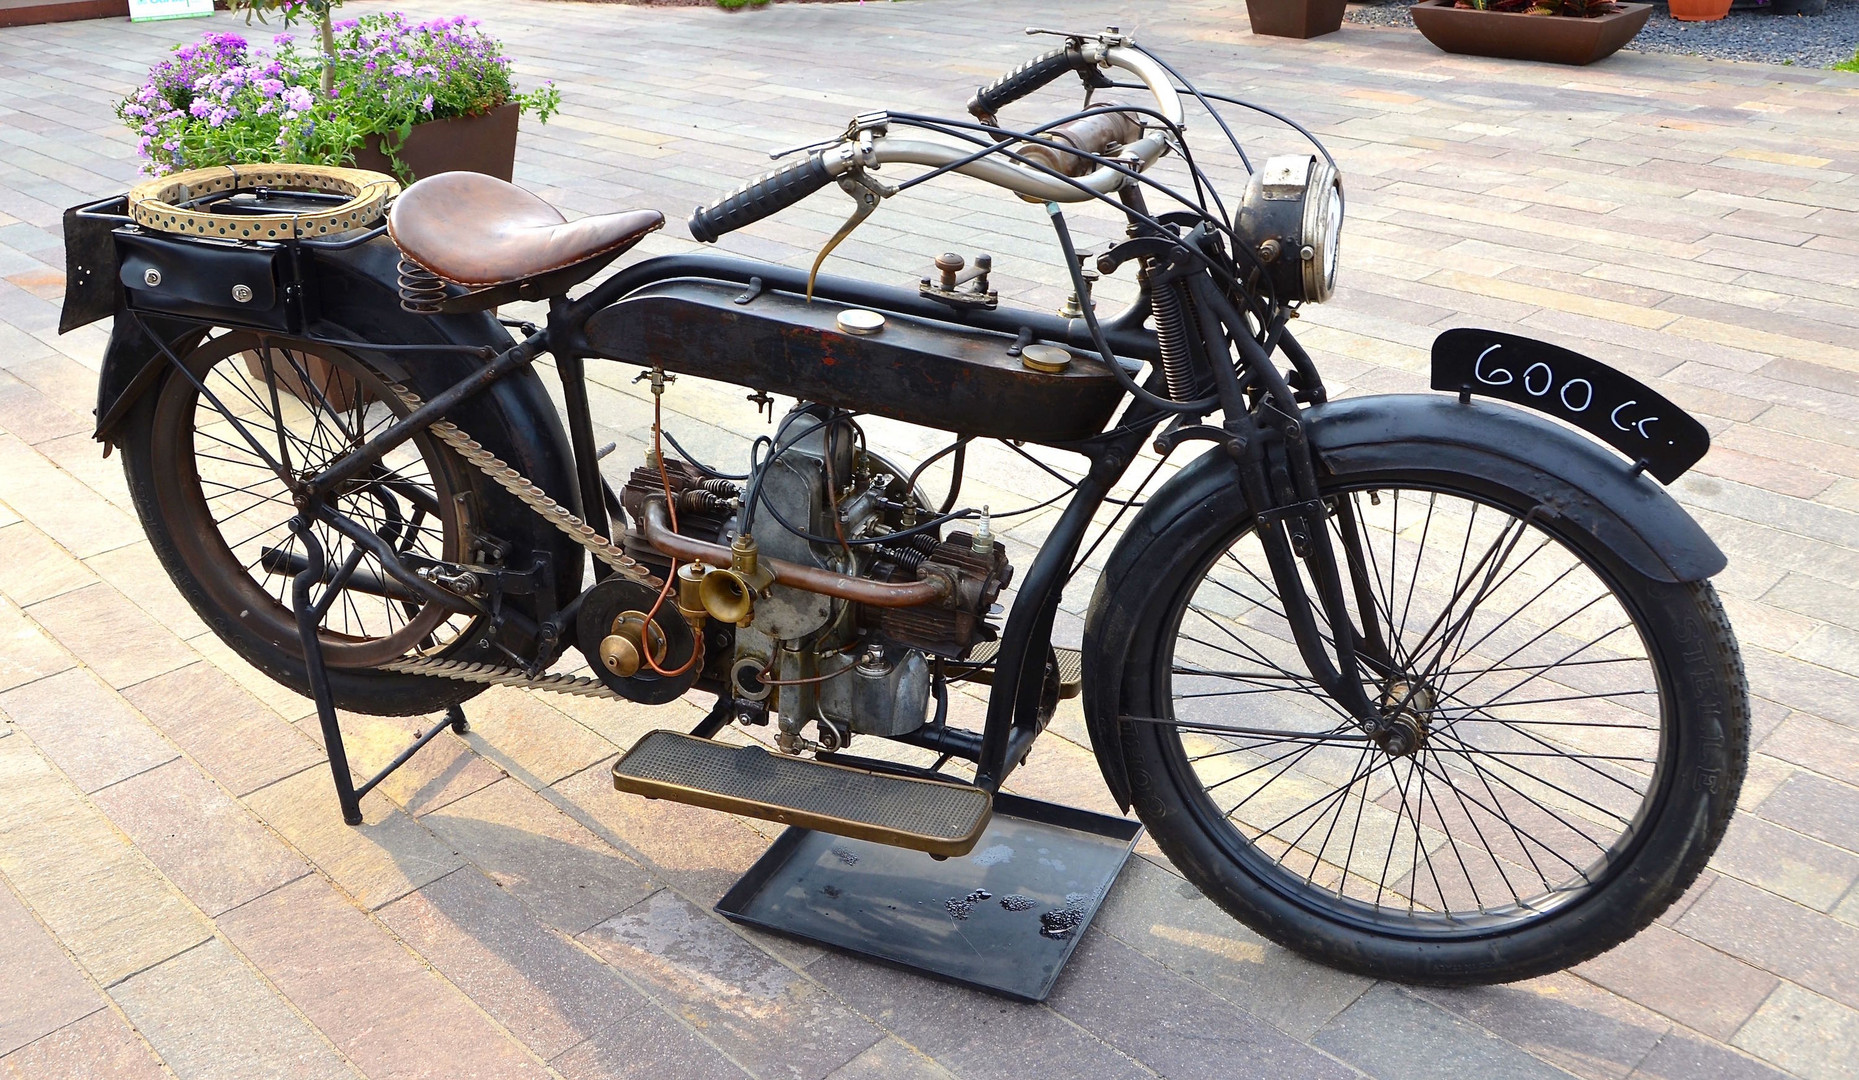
x=1407, y=711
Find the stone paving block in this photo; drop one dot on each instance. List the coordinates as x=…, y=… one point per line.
x=26, y=652
x=41, y=990
x=1805, y=1034
x=547, y=992
x=279, y=698
x=243, y=744
x=976, y=1036
x=1663, y=969
x=1828, y=748
x=891, y=1060
x=31, y=415
x=212, y=848
x=138, y=574
x=116, y=638
x=1168, y=920
x=98, y=1047
x=1569, y=1023
x=1160, y=1019
x=104, y=902
x=33, y=566
x=381, y=1006
x=525, y=731
x=1791, y=941
x=1786, y=863
x=209, y=1015
x=1389, y=1032
x=385, y=857
x=50, y=498
x=86, y=729
x=700, y=851
x=570, y=877
x=650, y=1045
x=1682, y=1056
x=1824, y=809
x=762, y=1013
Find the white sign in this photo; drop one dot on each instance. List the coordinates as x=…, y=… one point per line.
x=156, y=10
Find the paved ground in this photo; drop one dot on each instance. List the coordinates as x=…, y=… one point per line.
x=181, y=898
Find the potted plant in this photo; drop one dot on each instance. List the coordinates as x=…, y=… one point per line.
x=1554, y=31
x=1296, y=18
x=380, y=92
x=1698, y=10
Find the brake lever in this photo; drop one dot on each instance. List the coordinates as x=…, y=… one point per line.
x=866, y=191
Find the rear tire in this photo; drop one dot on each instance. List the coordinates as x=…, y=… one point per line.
x=1525, y=834
x=211, y=509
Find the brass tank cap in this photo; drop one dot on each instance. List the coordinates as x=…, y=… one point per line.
x=1050, y=359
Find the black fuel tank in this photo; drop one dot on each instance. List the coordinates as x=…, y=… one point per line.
x=916, y=370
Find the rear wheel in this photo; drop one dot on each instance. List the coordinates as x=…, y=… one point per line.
x=201, y=469
x=1569, y=736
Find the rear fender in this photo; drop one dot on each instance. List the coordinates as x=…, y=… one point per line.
x=1587, y=486
x=358, y=299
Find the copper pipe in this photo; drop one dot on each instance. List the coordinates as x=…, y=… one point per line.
x=805, y=578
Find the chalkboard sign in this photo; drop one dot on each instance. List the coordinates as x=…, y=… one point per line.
x=1615, y=408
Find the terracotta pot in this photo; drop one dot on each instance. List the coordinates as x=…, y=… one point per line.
x=1549, y=38
x=1699, y=10
x=1296, y=18
x=49, y=11
x=483, y=144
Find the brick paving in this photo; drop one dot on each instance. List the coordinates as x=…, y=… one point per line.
x=181, y=899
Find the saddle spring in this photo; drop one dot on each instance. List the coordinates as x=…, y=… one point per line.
x=421, y=291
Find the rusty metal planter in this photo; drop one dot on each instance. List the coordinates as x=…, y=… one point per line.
x=1551, y=39
x=1295, y=18
x=483, y=144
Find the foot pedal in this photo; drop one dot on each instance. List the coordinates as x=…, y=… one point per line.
x=901, y=811
x=1071, y=668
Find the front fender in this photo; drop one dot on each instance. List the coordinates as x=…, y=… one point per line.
x=1587, y=486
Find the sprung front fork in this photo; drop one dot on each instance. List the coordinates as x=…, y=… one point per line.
x=1267, y=440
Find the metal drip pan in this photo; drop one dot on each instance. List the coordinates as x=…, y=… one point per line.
x=1005, y=917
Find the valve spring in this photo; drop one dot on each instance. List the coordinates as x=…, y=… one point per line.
x=721, y=488
x=1171, y=333
x=421, y=291
x=703, y=501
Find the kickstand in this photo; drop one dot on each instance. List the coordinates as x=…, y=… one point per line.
x=309, y=617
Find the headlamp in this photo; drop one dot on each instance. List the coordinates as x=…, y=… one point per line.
x=1292, y=217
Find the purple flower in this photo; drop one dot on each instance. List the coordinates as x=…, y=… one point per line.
x=426, y=106
x=298, y=99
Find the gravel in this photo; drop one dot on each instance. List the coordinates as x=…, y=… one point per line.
x=1745, y=34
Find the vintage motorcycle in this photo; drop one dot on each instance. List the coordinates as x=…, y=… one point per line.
x=1425, y=686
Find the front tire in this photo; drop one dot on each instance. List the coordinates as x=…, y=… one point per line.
x=1579, y=734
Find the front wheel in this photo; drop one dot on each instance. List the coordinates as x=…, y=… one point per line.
x=1570, y=735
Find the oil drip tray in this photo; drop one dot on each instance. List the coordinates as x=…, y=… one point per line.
x=1005, y=917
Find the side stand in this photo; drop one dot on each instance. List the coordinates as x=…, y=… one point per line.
x=309, y=617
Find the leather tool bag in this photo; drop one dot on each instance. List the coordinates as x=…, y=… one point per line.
x=230, y=283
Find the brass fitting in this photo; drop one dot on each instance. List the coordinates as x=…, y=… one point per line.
x=623, y=650
x=730, y=594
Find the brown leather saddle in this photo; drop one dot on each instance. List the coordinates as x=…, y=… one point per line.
x=501, y=243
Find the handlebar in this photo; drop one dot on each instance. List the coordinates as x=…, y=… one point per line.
x=765, y=195
x=783, y=188
x=1023, y=80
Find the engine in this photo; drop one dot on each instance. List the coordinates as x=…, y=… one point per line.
x=823, y=501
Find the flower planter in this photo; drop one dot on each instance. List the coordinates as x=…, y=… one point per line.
x=31, y=12
x=483, y=144
x=1699, y=10
x=1551, y=39
x=1296, y=18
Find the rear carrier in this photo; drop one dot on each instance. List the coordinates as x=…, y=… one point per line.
x=905, y=367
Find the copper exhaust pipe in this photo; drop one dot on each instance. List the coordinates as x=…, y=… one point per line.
x=657, y=531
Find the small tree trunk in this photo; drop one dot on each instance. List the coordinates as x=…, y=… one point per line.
x=329, y=53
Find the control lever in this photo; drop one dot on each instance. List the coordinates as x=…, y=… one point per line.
x=945, y=286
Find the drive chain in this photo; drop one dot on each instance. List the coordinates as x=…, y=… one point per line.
x=533, y=496
x=495, y=675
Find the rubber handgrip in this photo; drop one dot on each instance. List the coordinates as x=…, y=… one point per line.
x=759, y=198
x=1020, y=82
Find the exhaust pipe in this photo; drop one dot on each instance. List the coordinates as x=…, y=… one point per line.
x=656, y=528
